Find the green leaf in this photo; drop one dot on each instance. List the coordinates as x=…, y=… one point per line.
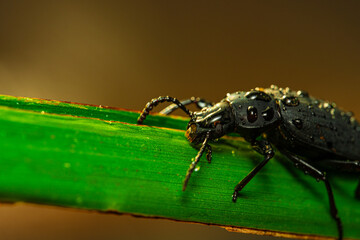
x=97, y=158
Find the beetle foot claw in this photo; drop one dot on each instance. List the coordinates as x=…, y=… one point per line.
x=234, y=196
x=208, y=157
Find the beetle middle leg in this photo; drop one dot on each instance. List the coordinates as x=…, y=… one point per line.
x=264, y=148
x=200, y=103
x=318, y=175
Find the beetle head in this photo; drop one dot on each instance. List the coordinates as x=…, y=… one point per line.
x=218, y=120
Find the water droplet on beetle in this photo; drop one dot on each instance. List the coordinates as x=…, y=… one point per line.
x=302, y=93
x=353, y=121
x=297, y=123
x=350, y=114
x=268, y=114
x=291, y=101
x=327, y=105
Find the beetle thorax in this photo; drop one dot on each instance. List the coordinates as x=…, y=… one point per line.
x=254, y=112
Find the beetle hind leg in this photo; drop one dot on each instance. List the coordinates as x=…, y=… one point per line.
x=347, y=166
x=318, y=175
x=357, y=191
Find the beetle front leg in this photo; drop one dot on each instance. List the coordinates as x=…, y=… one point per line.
x=318, y=175
x=209, y=153
x=264, y=148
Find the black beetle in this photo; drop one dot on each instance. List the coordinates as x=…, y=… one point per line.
x=312, y=133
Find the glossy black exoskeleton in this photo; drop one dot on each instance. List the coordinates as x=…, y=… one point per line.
x=312, y=133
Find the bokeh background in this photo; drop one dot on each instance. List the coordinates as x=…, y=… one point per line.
x=123, y=53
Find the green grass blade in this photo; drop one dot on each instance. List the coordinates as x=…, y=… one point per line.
x=97, y=158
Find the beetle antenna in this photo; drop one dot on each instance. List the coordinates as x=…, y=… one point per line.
x=197, y=159
x=200, y=103
x=154, y=102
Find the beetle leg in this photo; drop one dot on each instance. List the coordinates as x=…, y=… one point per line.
x=348, y=166
x=318, y=175
x=342, y=165
x=200, y=103
x=196, y=161
x=357, y=191
x=209, y=153
x=263, y=147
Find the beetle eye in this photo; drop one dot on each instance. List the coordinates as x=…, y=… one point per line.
x=252, y=114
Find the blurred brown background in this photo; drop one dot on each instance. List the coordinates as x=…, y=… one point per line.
x=125, y=53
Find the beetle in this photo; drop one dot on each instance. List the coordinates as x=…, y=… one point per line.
x=312, y=133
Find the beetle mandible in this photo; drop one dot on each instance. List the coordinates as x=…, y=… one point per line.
x=312, y=133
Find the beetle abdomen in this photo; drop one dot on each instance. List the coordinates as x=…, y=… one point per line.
x=310, y=124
